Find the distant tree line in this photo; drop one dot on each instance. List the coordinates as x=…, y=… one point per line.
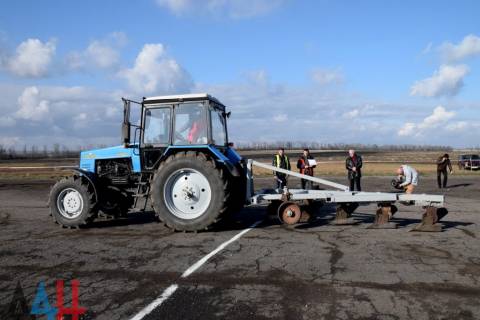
x=60, y=151
x=35, y=152
x=290, y=145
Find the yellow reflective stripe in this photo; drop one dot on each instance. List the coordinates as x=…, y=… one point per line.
x=278, y=162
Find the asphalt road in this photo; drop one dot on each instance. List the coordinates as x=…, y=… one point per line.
x=310, y=271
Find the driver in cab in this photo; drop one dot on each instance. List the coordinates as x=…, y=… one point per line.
x=194, y=128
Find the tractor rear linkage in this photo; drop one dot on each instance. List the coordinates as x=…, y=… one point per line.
x=286, y=203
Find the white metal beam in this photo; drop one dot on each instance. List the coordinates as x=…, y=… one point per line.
x=302, y=176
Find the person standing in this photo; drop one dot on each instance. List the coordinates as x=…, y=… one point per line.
x=354, y=164
x=280, y=160
x=410, y=180
x=306, y=167
x=443, y=163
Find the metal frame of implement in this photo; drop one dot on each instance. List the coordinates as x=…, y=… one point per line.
x=333, y=196
x=289, y=212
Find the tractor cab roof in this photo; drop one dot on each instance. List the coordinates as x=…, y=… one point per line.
x=181, y=98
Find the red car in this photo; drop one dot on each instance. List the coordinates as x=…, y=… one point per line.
x=469, y=162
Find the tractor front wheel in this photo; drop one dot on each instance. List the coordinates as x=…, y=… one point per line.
x=188, y=192
x=72, y=202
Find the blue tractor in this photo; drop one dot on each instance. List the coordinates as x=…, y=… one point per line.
x=176, y=159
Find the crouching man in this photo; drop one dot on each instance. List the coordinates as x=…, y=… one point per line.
x=410, y=178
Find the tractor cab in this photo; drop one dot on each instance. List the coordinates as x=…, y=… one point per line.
x=171, y=123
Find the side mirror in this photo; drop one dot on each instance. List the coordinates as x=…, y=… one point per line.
x=126, y=134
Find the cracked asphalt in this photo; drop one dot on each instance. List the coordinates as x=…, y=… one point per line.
x=313, y=270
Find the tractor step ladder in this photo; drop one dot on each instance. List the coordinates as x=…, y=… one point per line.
x=143, y=190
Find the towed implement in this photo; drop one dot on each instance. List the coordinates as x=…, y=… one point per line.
x=177, y=158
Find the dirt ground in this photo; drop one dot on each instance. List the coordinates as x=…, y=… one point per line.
x=311, y=271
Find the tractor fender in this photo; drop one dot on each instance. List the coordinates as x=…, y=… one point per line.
x=214, y=153
x=90, y=177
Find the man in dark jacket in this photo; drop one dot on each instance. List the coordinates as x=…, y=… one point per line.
x=306, y=167
x=443, y=163
x=280, y=160
x=354, y=164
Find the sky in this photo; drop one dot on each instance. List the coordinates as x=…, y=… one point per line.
x=370, y=72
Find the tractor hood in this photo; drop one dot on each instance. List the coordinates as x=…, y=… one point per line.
x=88, y=157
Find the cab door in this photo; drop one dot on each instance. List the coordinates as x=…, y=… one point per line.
x=156, y=134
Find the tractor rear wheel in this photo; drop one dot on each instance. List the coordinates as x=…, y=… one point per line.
x=188, y=192
x=72, y=202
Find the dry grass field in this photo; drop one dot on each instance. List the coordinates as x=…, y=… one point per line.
x=330, y=163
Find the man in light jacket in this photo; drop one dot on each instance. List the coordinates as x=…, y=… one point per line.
x=410, y=178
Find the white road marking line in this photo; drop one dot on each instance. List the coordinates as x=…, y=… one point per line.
x=170, y=290
x=200, y=262
x=155, y=303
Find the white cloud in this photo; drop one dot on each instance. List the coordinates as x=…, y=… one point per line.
x=366, y=111
x=458, y=126
x=440, y=116
x=468, y=47
x=102, y=53
x=176, y=6
x=72, y=116
x=31, y=107
x=280, y=117
x=103, y=56
x=281, y=112
x=154, y=72
x=408, y=129
x=351, y=114
x=32, y=58
x=447, y=81
x=326, y=76
x=236, y=9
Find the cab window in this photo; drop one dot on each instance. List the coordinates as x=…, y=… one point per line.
x=157, y=126
x=218, y=127
x=190, y=124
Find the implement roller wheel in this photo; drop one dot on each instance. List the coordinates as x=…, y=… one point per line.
x=289, y=213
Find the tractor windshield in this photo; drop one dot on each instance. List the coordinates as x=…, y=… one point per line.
x=190, y=124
